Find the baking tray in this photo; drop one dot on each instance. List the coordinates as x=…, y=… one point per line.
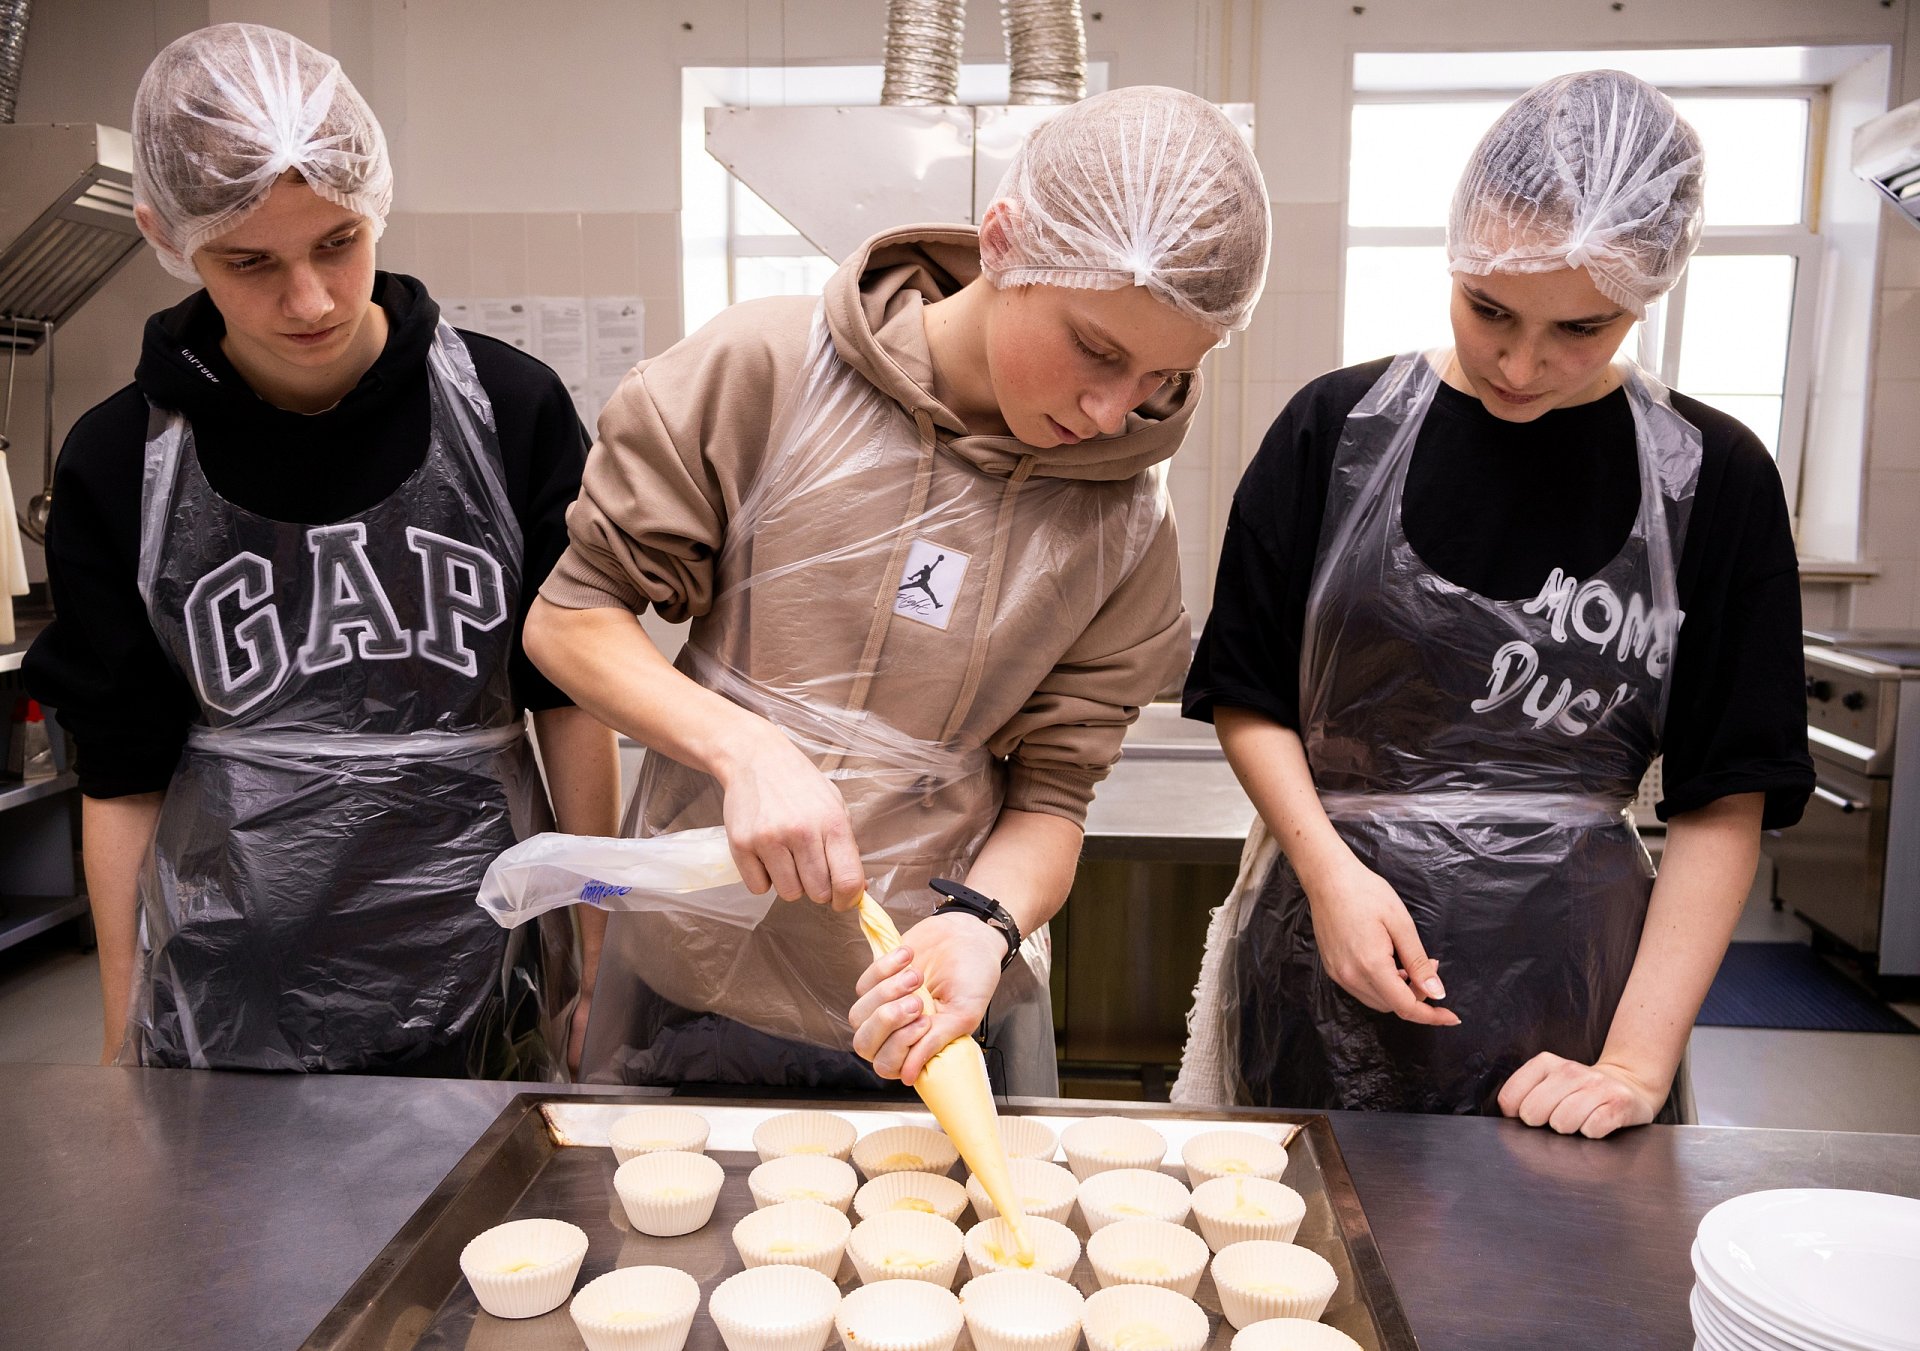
x=546, y=1155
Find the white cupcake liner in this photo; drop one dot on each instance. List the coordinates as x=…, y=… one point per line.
x=1101, y=1143
x=899, y=1316
x=925, y=1193
x=1148, y=1252
x=776, y=1308
x=1025, y=1138
x=1215, y=1202
x=1021, y=1311
x=556, y=1249
x=1133, y=1194
x=1056, y=1248
x=1045, y=1189
x=1213, y=1154
x=904, y=1149
x=903, y=1233
x=803, y=1177
x=804, y=1133
x=1264, y=1279
x=1116, y=1316
x=654, y=1129
x=794, y=1233
x=1292, y=1334
x=636, y=1309
x=669, y=1193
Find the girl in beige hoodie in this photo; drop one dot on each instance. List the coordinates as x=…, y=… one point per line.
x=921, y=529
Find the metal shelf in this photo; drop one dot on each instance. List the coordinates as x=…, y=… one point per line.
x=20, y=794
x=21, y=917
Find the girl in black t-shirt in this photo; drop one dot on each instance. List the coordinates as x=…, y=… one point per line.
x=1464, y=600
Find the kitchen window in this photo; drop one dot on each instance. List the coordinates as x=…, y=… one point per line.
x=1738, y=331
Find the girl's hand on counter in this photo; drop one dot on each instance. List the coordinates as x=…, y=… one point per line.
x=1369, y=945
x=958, y=958
x=787, y=824
x=1590, y=1100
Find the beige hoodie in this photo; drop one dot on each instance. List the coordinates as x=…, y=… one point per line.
x=1067, y=616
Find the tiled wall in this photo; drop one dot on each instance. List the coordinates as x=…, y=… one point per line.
x=545, y=253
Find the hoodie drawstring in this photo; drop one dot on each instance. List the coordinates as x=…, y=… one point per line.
x=989, y=599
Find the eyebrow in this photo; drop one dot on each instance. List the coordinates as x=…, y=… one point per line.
x=1099, y=334
x=231, y=251
x=1488, y=300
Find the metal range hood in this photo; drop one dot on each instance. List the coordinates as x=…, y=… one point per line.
x=66, y=222
x=841, y=175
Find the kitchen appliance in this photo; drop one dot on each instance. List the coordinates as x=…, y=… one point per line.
x=1886, y=152
x=1851, y=868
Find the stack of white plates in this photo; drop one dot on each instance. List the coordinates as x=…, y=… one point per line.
x=1808, y=1271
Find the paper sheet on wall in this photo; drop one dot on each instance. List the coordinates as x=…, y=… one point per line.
x=616, y=344
x=560, y=340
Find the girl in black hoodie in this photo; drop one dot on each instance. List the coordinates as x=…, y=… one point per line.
x=290, y=564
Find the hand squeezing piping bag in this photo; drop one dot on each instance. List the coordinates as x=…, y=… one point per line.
x=954, y=1086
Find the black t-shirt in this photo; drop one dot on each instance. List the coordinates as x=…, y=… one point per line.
x=101, y=665
x=1494, y=506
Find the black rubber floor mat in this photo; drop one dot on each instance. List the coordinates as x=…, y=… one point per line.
x=1788, y=985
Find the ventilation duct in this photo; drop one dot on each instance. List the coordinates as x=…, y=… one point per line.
x=1046, y=49
x=923, y=52
x=13, y=53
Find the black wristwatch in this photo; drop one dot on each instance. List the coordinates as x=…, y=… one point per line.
x=981, y=906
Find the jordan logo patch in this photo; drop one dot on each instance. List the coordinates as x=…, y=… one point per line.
x=929, y=583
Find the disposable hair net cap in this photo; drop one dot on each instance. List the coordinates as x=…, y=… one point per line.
x=225, y=111
x=1142, y=186
x=1595, y=170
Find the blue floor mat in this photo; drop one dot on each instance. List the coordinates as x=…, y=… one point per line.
x=1788, y=985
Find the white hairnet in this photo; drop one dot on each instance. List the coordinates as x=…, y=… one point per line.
x=1595, y=170
x=225, y=111
x=1142, y=186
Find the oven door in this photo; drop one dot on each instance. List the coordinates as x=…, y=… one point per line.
x=1830, y=868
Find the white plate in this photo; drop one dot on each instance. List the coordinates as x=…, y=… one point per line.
x=1732, y=1329
x=1838, y=1268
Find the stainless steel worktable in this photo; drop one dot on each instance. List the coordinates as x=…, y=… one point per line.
x=166, y=1209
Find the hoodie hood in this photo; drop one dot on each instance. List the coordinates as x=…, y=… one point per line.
x=182, y=367
x=873, y=305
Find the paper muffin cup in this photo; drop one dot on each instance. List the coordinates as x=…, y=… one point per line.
x=1133, y=1194
x=1224, y=1208
x=636, y=1309
x=1101, y=1143
x=1122, y=1317
x=904, y=1149
x=803, y=1177
x=929, y=1245
x=1045, y=1189
x=1263, y=1279
x=524, y=1268
x=1292, y=1334
x=654, y=1129
x=1025, y=1138
x=669, y=1193
x=1213, y=1154
x=776, y=1308
x=804, y=1133
x=1021, y=1311
x=1148, y=1252
x=899, y=1316
x=989, y=1247
x=794, y=1233
x=924, y=1193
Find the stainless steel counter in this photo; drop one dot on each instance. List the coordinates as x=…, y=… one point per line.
x=167, y=1209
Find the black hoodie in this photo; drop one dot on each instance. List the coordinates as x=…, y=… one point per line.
x=100, y=664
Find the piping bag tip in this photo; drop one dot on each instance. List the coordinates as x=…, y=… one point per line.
x=955, y=1088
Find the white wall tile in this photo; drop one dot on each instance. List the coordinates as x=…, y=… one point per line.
x=1893, y=515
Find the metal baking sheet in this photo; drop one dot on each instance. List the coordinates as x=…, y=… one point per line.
x=546, y=1155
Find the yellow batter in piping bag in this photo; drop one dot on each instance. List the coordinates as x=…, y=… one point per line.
x=954, y=1086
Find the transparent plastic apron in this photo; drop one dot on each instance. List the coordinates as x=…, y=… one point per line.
x=1481, y=756
x=806, y=629
x=355, y=762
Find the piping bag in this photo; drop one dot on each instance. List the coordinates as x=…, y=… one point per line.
x=955, y=1088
